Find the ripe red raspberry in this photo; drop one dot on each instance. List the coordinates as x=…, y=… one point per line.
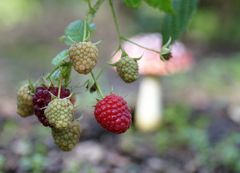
x=113, y=114
x=41, y=99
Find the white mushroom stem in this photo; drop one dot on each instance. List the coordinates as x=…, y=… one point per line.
x=149, y=104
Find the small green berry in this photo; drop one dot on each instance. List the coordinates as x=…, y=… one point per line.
x=127, y=69
x=67, y=139
x=59, y=113
x=83, y=56
x=24, y=101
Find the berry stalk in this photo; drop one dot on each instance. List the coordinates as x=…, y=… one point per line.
x=115, y=22
x=134, y=43
x=93, y=10
x=91, y=14
x=100, y=93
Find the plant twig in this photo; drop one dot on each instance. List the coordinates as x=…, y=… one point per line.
x=100, y=93
x=115, y=21
x=92, y=11
x=91, y=14
x=89, y=4
x=132, y=42
x=120, y=37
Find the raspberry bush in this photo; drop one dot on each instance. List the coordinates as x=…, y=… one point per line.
x=50, y=98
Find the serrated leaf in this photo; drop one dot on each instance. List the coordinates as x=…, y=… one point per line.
x=164, y=5
x=57, y=60
x=133, y=3
x=74, y=32
x=174, y=25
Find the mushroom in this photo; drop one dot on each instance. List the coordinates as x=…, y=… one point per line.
x=149, y=103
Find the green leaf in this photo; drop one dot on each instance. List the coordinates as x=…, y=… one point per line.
x=66, y=72
x=164, y=5
x=56, y=75
x=175, y=24
x=74, y=32
x=62, y=72
x=133, y=3
x=57, y=60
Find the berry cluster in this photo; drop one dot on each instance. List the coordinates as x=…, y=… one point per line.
x=53, y=103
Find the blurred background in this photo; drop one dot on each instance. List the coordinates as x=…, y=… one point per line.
x=199, y=127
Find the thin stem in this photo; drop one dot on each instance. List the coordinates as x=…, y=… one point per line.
x=100, y=93
x=125, y=39
x=116, y=51
x=85, y=31
x=115, y=21
x=55, y=69
x=59, y=88
x=50, y=74
x=89, y=4
x=120, y=37
x=91, y=14
x=71, y=39
x=92, y=11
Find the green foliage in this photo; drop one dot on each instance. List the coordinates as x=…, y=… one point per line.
x=63, y=71
x=215, y=76
x=175, y=24
x=13, y=12
x=164, y=5
x=172, y=23
x=74, y=32
x=226, y=152
x=132, y=3
x=177, y=131
x=34, y=163
x=201, y=31
x=59, y=58
x=2, y=162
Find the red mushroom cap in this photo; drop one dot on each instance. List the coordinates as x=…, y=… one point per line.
x=150, y=63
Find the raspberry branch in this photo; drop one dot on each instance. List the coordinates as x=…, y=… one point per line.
x=115, y=22
x=92, y=11
x=132, y=42
x=91, y=14
x=100, y=93
x=89, y=5
x=166, y=47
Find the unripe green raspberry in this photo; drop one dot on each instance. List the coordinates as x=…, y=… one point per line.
x=83, y=56
x=59, y=113
x=24, y=101
x=66, y=139
x=127, y=69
